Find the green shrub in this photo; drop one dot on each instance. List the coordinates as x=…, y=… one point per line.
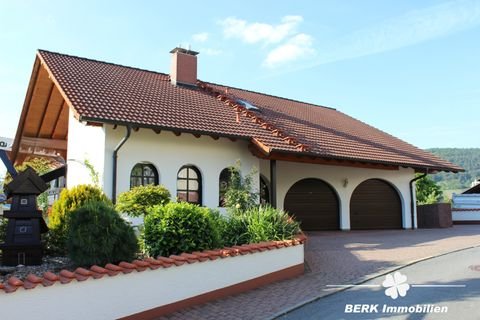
x=240, y=194
x=3, y=229
x=136, y=201
x=258, y=224
x=98, y=235
x=180, y=227
x=58, y=220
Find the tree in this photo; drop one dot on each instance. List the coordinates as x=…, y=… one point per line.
x=428, y=191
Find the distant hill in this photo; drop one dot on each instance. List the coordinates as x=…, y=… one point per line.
x=469, y=159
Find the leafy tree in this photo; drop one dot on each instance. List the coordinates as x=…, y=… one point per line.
x=428, y=191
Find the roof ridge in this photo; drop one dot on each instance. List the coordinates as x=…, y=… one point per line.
x=101, y=61
x=166, y=74
x=286, y=136
x=271, y=95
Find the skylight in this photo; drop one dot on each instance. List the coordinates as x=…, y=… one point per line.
x=248, y=105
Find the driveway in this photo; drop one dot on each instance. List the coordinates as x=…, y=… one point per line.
x=449, y=283
x=337, y=257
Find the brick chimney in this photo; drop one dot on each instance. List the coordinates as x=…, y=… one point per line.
x=184, y=67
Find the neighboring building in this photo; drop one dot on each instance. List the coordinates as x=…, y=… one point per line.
x=466, y=206
x=474, y=183
x=137, y=126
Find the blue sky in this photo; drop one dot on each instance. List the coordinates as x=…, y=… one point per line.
x=410, y=68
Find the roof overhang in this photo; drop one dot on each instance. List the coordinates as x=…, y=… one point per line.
x=263, y=152
x=43, y=126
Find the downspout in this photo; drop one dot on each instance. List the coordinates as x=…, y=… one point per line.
x=115, y=156
x=412, y=202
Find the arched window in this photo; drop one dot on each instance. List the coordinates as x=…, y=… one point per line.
x=264, y=191
x=223, y=184
x=143, y=174
x=189, y=185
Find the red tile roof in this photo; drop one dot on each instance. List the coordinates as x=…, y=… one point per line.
x=96, y=272
x=110, y=93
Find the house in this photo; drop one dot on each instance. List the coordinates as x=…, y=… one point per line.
x=138, y=127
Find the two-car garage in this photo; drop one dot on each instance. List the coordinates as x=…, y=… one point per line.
x=374, y=204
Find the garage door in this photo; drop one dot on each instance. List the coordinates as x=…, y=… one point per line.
x=314, y=204
x=375, y=204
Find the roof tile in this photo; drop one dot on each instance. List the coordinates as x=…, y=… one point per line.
x=110, y=93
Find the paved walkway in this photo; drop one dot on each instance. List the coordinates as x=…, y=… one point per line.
x=337, y=257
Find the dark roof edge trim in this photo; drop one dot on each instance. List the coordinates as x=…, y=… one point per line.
x=172, y=129
x=418, y=168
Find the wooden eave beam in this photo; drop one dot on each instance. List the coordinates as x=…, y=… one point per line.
x=55, y=144
x=26, y=106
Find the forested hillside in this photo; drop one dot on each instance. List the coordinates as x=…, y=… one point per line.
x=469, y=159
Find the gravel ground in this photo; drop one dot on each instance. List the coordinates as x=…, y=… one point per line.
x=54, y=264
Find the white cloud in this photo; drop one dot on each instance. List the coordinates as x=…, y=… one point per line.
x=211, y=51
x=255, y=32
x=200, y=37
x=411, y=28
x=297, y=47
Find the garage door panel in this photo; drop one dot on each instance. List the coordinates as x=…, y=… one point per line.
x=314, y=204
x=375, y=204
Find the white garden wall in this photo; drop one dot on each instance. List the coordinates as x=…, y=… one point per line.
x=136, y=292
x=288, y=173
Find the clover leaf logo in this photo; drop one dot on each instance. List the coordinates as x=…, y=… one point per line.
x=396, y=285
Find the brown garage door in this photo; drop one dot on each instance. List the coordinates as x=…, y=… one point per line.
x=314, y=204
x=375, y=204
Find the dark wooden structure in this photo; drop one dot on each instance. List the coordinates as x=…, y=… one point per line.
x=25, y=222
x=375, y=204
x=314, y=203
x=438, y=215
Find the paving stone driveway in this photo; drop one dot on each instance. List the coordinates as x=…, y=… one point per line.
x=337, y=257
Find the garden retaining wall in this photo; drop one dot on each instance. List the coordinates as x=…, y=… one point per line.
x=146, y=289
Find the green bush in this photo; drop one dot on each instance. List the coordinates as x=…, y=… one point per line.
x=98, y=235
x=180, y=227
x=58, y=220
x=258, y=224
x=3, y=229
x=240, y=194
x=136, y=201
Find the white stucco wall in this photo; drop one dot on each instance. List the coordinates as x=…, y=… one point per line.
x=84, y=143
x=168, y=153
x=288, y=173
x=127, y=294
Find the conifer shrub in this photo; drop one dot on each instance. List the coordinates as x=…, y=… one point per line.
x=97, y=234
x=58, y=219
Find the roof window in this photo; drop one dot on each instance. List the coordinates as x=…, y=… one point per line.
x=248, y=105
